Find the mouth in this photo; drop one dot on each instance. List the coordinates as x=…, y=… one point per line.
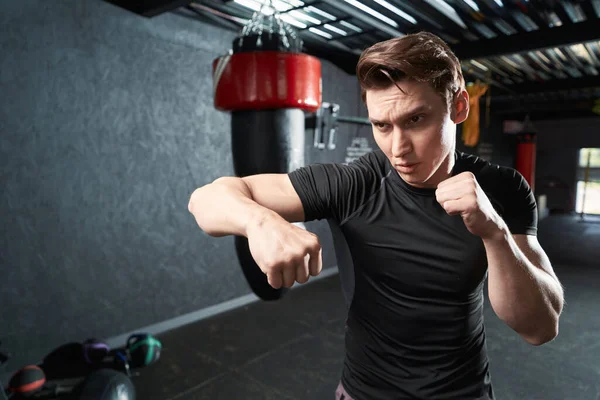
x=406, y=167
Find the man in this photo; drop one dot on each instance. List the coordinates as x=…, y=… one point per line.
x=418, y=226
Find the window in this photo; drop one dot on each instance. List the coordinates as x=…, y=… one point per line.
x=592, y=154
x=588, y=182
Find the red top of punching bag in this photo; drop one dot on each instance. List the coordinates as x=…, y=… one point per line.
x=263, y=80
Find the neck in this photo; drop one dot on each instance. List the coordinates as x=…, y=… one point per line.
x=443, y=172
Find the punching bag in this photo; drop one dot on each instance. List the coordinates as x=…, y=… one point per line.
x=525, y=163
x=267, y=84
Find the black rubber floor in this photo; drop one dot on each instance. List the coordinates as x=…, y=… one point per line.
x=293, y=349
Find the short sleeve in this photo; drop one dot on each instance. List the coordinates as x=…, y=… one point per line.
x=520, y=207
x=335, y=191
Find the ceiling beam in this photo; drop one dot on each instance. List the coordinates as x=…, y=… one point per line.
x=528, y=41
x=150, y=8
x=537, y=115
x=556, y=84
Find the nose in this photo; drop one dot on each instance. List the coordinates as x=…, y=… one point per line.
x=401, y=144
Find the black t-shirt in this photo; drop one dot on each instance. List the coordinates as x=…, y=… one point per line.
x=412, y=275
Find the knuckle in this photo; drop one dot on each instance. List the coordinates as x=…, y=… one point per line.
x=286, y=260
x=315, y=243
x=270, y=268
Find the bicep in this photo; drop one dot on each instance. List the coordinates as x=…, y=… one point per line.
x=276, y=192
x=520, y=208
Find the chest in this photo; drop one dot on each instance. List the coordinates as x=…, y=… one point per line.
x=410, y=245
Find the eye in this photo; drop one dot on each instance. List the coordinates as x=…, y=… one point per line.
x=379, y=125
x=416, y=118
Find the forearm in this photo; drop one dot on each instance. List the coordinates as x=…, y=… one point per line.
x=225, y=207
x=523, y=295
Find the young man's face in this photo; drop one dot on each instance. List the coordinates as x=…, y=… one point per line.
x=416, y=130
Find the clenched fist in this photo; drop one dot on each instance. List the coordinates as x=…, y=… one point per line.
x=284, y=252
x=462, y=195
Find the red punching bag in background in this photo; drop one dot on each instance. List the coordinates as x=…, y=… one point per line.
x=526, y=150
x=267, y=84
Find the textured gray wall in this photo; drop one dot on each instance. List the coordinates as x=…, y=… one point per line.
x=107, y=125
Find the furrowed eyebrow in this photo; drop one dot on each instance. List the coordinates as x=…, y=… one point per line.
x=419, y=109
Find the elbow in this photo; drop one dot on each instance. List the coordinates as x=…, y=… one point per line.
x=196, y=194
x=193, y=200
x=543, y=335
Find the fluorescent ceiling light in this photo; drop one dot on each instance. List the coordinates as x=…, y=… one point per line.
x=472, y=4
x=499, y=2
x=490, y=65
x=251, y=4
x=396, y=11
x=574, y=11
x=259, y=5
x=256, y=5
x=334, y=29
x=448, y=11
x=590, y=50
x=292, y=21
x=543, y=57
x=349, y=25
x=504, y=26
x=300, y=15
x=556, y=61
x=596, y=5
x=581, y=52
x=320, y=12
x=372, y=12
x=560, y=54
x=479, y=65
x=279, y=5
x=520, y=60
x=525, y=22
x=510, y=62
x=484, y=30
x=295, y=3
x=554, y=20
x=320, y=33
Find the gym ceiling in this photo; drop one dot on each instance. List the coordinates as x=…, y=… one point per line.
x=540, y=57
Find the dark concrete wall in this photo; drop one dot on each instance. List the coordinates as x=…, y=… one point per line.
x=493, y=146
x=106, y=127
x=558, y=144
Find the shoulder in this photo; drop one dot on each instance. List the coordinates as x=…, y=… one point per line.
x=374, y=162
x=491, y=177
x=507, y=189
x=370, y=167
x=360, y=177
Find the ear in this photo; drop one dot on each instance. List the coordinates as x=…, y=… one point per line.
x=460, y=107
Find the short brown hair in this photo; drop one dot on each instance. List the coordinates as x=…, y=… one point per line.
x=421, y=56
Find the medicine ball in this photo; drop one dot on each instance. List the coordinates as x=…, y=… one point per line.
x=94, y=351
x=143, y=349
x=27, y=381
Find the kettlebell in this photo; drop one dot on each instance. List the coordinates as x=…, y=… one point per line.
x=106, y=384
x=143, y=349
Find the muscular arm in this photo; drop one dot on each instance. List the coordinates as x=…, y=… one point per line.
x=523, y=289
x=229, y=204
